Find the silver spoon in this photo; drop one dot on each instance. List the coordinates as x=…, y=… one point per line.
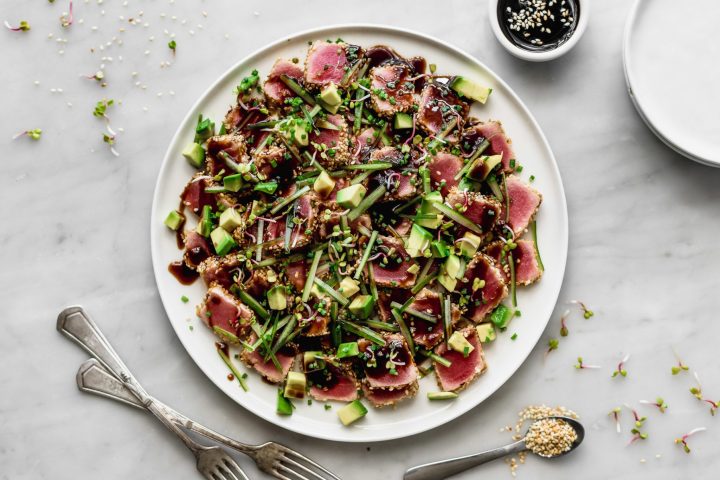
x=447, y=468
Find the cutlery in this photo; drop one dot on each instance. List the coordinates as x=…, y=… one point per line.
x=109, y=377
x=447, y=468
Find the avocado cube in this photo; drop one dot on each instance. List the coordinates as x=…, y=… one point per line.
x=330, y=95
x=460, y=344
x=276, y=298
x=174, y=220
x=348, y=287
x=426, y=209
x=350, y=197
x=222, y=241
x=413, y=269
x=300, y=135
x=418, y=241
x=347, y=350
x=485, y=165
x=362, y=306
x=295, y=385
x=313, y=361
x=500, y=317
x=469, y=89
x=324, y=184
x=403, y=121
x=447, y=281
x=454, y=266
x=233, y=183
x=194, y=154
x=231, y=219
x=352, y=412
x=439, y=249
x=486, y=332
x=204, y=226
x=469, y=244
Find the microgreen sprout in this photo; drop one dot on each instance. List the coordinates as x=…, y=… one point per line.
x=621, y=367
x=23, y=27
x=580, y=365
x=563, y=326
x=552, y=345
x=615, y=414
x=680, y=365
x=638, y=434
x=34, y=134
x=101, y=108
x=683, y=440
x=697, y=393
x=66, y=19
x=659, y=403
x=109, y=138
x=172, y=45
x=98, y=76
x=587, y=313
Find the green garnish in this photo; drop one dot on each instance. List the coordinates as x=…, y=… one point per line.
x=240, y=377
x=172, y=45
x=311, y=276
x=248, y=82
x=366, y=255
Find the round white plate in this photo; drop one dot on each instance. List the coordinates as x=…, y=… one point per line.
x=504, y=356
x=670, y=55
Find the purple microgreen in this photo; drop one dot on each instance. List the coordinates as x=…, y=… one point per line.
x=659, y=403
x=101, y=108
x=621, y=367
x=66, y=19
x=680, y=365
x=713, y=406
x=98, y=76
x=638, y=434
x=615, y=414
x=34, y=134
x=563, y=325
x=580, y=365
x=683, y=440
x=23, y=27
x=587, y=313
x=697, y=391
x=109, y=138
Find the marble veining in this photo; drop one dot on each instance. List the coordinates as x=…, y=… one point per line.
x=643, y=245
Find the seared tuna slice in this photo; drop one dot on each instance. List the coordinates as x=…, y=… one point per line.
x=259, y=282
x=388, y=154
x=303, y=217
x=363, y=142
x=328, y=146
x=403, y=226
x=329, y=219
x=240, y=116
x=483, y=300
x=194, y=196
x=229, y=318
x=438, y=106
x=220, y=270
x=389, y=366
x=328, y=382
x=524, y=204
x=384, y=397
x=391, y=92
x=399, y=185
x=527, y=268
x=443, y=167
x=499, y=143
x=296, y=273
x=255, y=359
x=197, y=248
x=392, y=266
x=233, y=145
x=317, y=326
x=276, y=92
x=426, y=333
x=463, y=369
x=325, y=64
x=388, y=295
x=480, y=209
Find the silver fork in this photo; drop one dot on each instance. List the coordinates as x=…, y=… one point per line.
x=213, y=462
x=273, y=458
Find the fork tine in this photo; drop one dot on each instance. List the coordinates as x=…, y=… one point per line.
x=280, y=466
x=231, y=465
x=302, y=467
x=305, y=459
x=230, y=475
x=279, y=475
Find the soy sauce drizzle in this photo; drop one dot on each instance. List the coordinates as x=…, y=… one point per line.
x=538, y=25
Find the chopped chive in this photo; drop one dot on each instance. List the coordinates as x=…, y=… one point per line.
x=361, y=178
x=299, y=90
x=492, y=183
x=425, y=176
x=229, y=161
x=263, y=124
x=404, y=329
x=358, y=110
x=513, y=289
x=447, y=317
x=367, y=202
x=421, y=284
x=373, y=285
x=533, y=228
x=362, y=331
x=215, y=189
x=285, y=334
x=341, y=299
x=378, y=325
x=287, y=200
x=370, y=166
x=263, y=144
x=236, y=374
x=436, y=358
x=311, y=275
x=366, y=254
x=472, y=161
x=407, y=205
x=457, y=217
x=414, y=313
x=507, y=200
x=253, y=304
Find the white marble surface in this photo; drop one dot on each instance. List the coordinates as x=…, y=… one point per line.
x=644, y=225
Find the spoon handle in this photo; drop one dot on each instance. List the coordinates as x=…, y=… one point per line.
x=447, y=468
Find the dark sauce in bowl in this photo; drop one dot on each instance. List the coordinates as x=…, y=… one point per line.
x=538, y=25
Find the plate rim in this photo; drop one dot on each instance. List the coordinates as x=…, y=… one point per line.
x=626, y=57
x=369, y=436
